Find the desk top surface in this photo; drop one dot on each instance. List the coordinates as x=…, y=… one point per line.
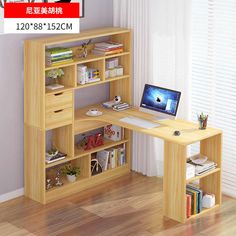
x=189, y=130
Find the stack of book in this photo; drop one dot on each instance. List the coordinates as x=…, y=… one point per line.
x=193, y=200
x=204, y=167
x=107, y=48
x=111, y=158
x=56, y=56
x=87, y=75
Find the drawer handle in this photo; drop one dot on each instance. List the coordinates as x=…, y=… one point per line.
x=58, y=111
x=58, y=94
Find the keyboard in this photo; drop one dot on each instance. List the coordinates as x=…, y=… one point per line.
x=139, y=122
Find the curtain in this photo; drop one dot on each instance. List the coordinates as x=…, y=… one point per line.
x=161, y=43
x=213, y=76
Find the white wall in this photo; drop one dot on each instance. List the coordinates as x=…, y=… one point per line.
x=98, y=13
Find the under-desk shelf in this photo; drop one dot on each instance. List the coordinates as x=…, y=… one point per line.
x=202, y=176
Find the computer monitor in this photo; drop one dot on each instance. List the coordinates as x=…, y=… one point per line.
x=160, y=102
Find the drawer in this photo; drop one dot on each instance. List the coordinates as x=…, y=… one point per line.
x=59, y=101
x=58, y=118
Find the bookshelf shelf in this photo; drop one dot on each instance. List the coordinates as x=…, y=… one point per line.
x=89, y=58
x=202, y=176
x=107, y=144
x=102, y=81
x=204, y=211
x=57, y=163
x=65, y=89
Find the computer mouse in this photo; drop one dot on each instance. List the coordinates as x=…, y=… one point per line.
x=177, y=133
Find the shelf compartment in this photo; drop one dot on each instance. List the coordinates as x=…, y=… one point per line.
x=68, y=79
x=202, y=176
x=89, y=58
x=79, y=152
x=204, y=211
x=84, y=183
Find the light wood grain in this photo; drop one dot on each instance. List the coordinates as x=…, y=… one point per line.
x=212, y=148
x=57, y=101
x=174, y=182
x=34, y=84
x=34, y=164
x=88, y=34
x=58, y=118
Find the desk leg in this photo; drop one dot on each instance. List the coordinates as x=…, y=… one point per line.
x=174, y=183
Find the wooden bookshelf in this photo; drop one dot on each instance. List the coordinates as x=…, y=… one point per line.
x=53, y=111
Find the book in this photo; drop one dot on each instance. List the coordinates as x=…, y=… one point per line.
x=103, y=157
x=97, y=52
x=121, y=156
x=59, y=156
x=188, y=205
x=108, y=45
x=58, y=51
x=112, y=157
x=54, y=86
x=113, y=132
x=200, y=195
x=194, y=199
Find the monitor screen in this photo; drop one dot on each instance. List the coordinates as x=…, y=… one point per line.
x=160, y=99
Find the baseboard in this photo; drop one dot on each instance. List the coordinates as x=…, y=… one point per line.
x=11, y=195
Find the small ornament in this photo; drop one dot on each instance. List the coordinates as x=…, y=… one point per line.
x=58, y=179
x=49, y=184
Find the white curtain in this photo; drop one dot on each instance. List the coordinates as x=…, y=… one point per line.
x=161, y=42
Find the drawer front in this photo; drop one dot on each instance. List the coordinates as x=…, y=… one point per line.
x=58, y=118
x=58, y=101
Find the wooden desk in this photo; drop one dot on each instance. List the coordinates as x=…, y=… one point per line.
x=175, y=154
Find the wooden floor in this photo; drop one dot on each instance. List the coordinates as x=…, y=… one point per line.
x=131, y=205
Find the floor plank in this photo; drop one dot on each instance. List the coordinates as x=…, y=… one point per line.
x=131, y=205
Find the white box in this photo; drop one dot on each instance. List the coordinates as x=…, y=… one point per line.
x=112, y=63
x=190, y=171
x=112, y=73
x=107, y=74
x=119, y=71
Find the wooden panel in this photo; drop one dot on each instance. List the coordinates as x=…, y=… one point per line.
x=63, y=140
x=59, y=101
x=34, y=163
x=59, y=118
x=121, y=88
x=174, y=182
x=84, y=164
x=125, y=39
x=70, y=77
x=88, y=34
x=85, y=126
x=212, y=148
x=34, y=84
x=99, y=65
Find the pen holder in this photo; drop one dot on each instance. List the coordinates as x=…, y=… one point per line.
x=202, y=119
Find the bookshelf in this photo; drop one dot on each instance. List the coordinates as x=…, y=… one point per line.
x=54, y=112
